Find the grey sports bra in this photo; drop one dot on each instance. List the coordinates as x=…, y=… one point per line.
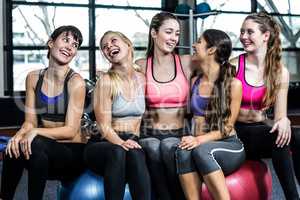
x=121, y=107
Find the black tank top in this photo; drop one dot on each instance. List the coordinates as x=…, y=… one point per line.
x=51, y=108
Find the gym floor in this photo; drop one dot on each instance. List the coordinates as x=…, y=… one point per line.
x=51, y=188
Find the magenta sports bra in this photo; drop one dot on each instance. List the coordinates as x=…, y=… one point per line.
x=253, y=96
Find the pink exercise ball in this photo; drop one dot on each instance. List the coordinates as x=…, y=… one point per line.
x=253, y=181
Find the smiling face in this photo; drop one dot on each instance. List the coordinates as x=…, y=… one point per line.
x=251, y=36
x=167, y=36
x=200, y=50
x=63, y=48
x=115, y=48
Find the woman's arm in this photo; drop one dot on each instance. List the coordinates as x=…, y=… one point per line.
x=76, y=89
x=282, y=123
x=30, y=116
x=187, y=65
x=102, y=108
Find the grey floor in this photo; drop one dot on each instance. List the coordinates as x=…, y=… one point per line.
x=51, y=188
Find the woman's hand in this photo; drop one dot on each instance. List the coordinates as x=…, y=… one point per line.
x=130, y=144
x=12, y=148
x=283, y=127
x=189, y=142
x=26, y=143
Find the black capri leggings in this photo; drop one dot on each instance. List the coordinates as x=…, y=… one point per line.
x=160, y=147
x=260, y=143
x=295, y=147
x=118, y=166
x=226, y=155
x=49, y=160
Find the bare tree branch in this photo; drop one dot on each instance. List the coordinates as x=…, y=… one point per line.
x=53, y=18
x=146, y=21
x=36, y=36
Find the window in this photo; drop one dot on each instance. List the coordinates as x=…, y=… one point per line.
x=32, y=21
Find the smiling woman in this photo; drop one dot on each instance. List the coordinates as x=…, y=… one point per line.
x=119, y=104
x=49, y=143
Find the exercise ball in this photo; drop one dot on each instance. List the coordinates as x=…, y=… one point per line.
x=182, y=8
x=89, y=186
x=253, y=181
x=203, y=8
x=3, y=142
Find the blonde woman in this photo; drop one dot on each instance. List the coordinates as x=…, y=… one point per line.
x=119, y=104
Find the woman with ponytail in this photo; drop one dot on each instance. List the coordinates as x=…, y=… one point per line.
x=119, y=104
x=265, y=83
x=167, y=91
x=214, y=150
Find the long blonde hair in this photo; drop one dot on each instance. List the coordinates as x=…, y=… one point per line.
x=273, y=65
x=116, y=79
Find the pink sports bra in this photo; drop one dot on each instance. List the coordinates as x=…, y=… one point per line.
x=173, y=93
x=253, y=96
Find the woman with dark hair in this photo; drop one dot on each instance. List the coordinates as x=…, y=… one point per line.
x=214, y=150
x=265, y=84
x=167, y=90
x=49, y=143
x=119, y=104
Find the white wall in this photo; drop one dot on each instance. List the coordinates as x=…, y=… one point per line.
x=1, y=51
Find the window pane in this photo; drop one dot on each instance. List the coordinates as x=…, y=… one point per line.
x=290, y=27
x=32, y=25
x=290, y=6
x=27, y=61
x=133, y=23
x=228, y=5
x=292, y=61
x=59, y=1
x=148, y=3
x=230, y=23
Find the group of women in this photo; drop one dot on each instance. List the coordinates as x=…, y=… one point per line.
x=145, y=137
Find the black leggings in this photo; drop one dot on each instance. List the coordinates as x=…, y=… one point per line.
x=295, y=147
x=259, y=143
x=160, y=147
x=118, y=166
x=50, y=160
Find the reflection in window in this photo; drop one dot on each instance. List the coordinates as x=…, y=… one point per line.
x=19, y=58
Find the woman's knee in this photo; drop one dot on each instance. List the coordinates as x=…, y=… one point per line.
x=151, y=147
x=40, y=144
x=135, y=157
x=184, y=161
x=168, y=147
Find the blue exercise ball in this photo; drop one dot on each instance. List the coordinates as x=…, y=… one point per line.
x=182, y=8
x=203, y=8
x=89, y=186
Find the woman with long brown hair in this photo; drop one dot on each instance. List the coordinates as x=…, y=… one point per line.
x=167, y=91
x=265, y=83
x=214, y=150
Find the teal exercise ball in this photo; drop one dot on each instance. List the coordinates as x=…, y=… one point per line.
x=182, y=8
x=203, y=8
